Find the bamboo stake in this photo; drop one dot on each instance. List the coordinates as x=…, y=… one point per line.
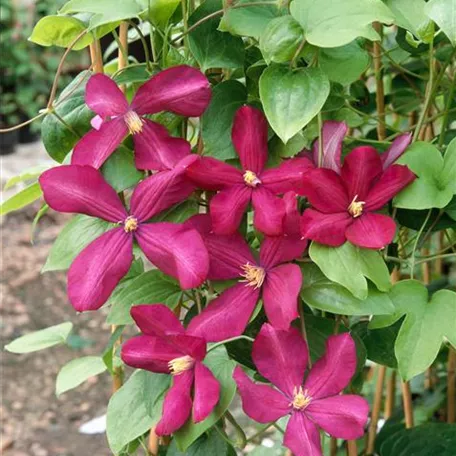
x=390, y=395
x=451, y=415
x=333, y=447
x=96, y=57
x=352, y=449
x=407, y=401
x=376, y=409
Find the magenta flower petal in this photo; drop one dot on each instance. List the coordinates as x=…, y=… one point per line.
x=275, y=250
x=362, y=166
x=302, y=437
x=181, y=89
x=81, y=190
x=97, y=270
x=332, y=373
x=176, y=250
x=371, y=231
x=281, y=357
x=333, y=134
x=286, y=177
x=97, y=145
x=226, y=316
x=396, y=149
x=392, y=181
x=212, y=174
x=188, y=345
x=206, y=393
x=292, y=216
x=177, y=406
x=156, y=149
x=228, y=207
x=103, y=96
x=149, y=353
x=156, y=320
x=250, y=138
x=260, y=402
x=343, y=417
x=280, y=295
x=325, y=191
x=327, y=229
x=269, y=212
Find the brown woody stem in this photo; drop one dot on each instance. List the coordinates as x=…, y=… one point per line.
x=381, y=371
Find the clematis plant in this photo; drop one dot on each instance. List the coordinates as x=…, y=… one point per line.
x=166, y=347
x=237, y=187
x=344, y=207
x=314, y=402
x=182, y=90
x=175, y=249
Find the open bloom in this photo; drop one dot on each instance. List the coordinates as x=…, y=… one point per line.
x=175, y=249
x=182, y=90
x=281, y=357
x=273, y=278
x=343, y=206
x=166, y=347
x=251, y=183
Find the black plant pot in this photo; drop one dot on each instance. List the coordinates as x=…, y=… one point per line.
x=8, y=142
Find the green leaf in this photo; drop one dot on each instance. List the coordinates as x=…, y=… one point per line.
x=443, y=13
x=248, y=21
x=320, y=293
x=60, y=31
x=161, y=11
x=222, y=367
x=344, y=64
x=131, y=74
x=282, y=90
x=151, y=287
x=210, y=444
x=210, y=47
x=427, y=323
x=77, y=371
x=179, y=213
x=21, y=199
x=70, y=106
x=29, y=174
x=154, y=390
x=217, y=121
x=281, y=39
x=79, y=232
x=120, y=171
x=350, y=265
x=448, y=176
x=38, y=340
x=127, y=417
x=331, y=23
x=290, y=149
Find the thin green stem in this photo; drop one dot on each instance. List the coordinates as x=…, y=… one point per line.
x=447, y=112
x=144, y=43
x=415, y=245
x=296, y=54
x=27, y=122
x=227, y=341
x=261, y=431
x=436, y=257
x=241, y=440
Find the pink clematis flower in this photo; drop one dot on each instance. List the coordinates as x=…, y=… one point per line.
x=343, y=206
x=175, y=249
x=182, y=90
x=273, y=278
x=252, y=183
x=281, y=357
x=166, y=347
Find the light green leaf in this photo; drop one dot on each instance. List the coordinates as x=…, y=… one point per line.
x=448, y=176
x=222, y=367
x=21, y=199
x=331, y=23
x=217, y=121
x=350, y=265
x=290, y=149
x=178, y=213
x=28, y=174
x=282, y=90
x=77, y=371
x=344, y=64
x=320, y=293
x=79, y=232
x=151, y=287
x=162, y=10
x=426, y=324
x=38, y=340
x=443, y=13
x=60, y=31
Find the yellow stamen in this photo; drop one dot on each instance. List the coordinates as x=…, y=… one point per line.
x=300, y=398
x=251, y=179
x=179, y=365
x=356, y=207
x=254, y=275
x=130, y=224
x=134, y=122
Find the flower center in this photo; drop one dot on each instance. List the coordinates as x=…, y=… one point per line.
x=251, y=179
x=130, y=224
x=300, y=398
x=179, y=365
x=134, y=122
x=356, y=207
x=254, y=275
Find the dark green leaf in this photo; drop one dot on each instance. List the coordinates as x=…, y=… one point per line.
x=210, y=444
